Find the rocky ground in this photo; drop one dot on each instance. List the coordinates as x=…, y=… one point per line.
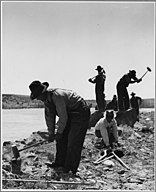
x=32, y=171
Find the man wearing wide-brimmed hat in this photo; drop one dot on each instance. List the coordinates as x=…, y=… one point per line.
x=99, y=81
x=123, y=83
x=135, y=102
x=113, y=104
x=73, y=113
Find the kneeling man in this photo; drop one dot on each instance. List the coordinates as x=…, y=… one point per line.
x=106, y=128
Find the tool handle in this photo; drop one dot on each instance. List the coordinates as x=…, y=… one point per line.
x=41, y=142
x=143, y=75
x=102, y=160
x=120, y=161
x=103, y=156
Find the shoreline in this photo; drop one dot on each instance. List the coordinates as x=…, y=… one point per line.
x=34, y=124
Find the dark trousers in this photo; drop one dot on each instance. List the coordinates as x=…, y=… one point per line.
x=123, y=97
x=68, y=150
x=100, y=100
x=110, y=135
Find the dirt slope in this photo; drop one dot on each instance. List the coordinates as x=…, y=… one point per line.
x=137, y=145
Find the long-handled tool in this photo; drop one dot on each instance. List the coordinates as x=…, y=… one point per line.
x=120, y=161
x=101, y=158
x=148, y=70
x=107, y=156
x=16, y=151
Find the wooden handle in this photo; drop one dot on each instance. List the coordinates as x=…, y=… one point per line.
x=120, y=161
x=41, y=142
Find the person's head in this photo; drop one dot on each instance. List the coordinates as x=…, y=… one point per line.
x=132, y=74
x=38, y=90
x=133, y=94
x=114, y=97
x=109, y=115
x=99, y=69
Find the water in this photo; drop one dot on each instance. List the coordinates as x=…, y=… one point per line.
x=20, y=123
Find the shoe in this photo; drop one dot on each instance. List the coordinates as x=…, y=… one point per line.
x=53, y=165
x=74, y=172
x=65, y=170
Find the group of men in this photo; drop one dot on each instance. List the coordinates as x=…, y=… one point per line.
x=123, y=102
x=74, y=116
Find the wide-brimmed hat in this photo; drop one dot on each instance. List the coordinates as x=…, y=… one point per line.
x=133, y=93
x=133, y=72
x=110, y=114
x=37, y=88
x=99, y=68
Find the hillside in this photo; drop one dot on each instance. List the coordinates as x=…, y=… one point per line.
x=13, y=101
x=137, y=145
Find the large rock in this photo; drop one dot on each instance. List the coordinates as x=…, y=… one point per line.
x=109, y=163
x=128, y=117
x=94, y=118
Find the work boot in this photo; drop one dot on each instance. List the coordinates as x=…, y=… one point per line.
x=54, y=165
x=65, y=170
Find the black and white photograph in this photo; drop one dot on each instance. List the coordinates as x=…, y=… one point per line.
x=78, y=95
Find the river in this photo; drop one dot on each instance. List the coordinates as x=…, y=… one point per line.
x=18, y=124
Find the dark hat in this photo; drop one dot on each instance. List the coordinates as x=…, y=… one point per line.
x=37, y=88
x=132, y=93
x=132, y=72
x=110, y=114
x=99, y=68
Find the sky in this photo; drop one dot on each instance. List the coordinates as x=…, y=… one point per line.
x=63, y=42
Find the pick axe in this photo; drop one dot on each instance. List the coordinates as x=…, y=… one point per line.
x=16, y=151
x=148, y=70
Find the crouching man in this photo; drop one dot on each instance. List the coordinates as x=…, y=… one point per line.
x=106, y=128
x=73, y=114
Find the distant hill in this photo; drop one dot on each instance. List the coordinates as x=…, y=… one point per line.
x=13, y=101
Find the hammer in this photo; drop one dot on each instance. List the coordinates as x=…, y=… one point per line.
x=16, y=151
x=148, y=69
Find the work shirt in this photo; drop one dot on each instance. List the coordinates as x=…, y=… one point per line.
x=99, y=80
x=60, y=102
x=126, y=80
x=135, y=102
x=102, y=125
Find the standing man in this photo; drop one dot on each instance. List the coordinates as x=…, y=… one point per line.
x=135, y=102
x=99, y=81
x=123, y=83
x=73, y=114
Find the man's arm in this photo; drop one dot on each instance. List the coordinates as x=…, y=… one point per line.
x=61, y=110
x=115, y=131
x=140, y=100
x=50, y=117
x=136, y=80
x=92, y=80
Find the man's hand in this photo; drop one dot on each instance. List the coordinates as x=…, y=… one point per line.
x=58, y=136
x=109, y=149
x=139, y=80
x=51, y=137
